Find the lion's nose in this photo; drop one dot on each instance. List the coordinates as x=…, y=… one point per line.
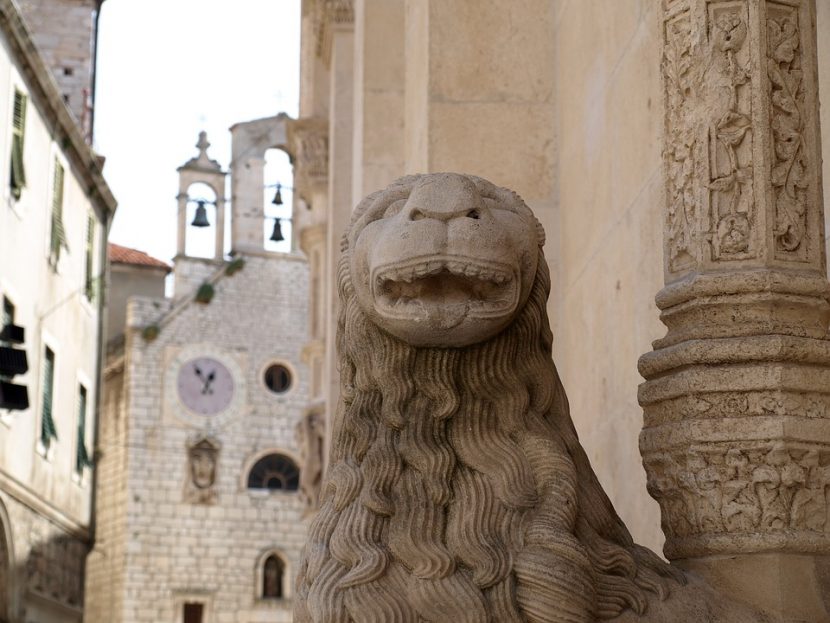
x=444, y=214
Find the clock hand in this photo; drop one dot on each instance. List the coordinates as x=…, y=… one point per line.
x=198, y=371
x=207, y=389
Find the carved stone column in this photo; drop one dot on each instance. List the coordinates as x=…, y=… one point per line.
x=736, y=441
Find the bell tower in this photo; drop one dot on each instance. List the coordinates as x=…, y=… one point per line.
x=190, y=271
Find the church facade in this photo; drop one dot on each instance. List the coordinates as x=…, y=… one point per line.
x=200, y=510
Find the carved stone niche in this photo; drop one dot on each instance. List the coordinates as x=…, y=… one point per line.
x=457, y=489
x=202, y=465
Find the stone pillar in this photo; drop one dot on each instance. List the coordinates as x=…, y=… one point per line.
x=736, y=439
x=378, y=95
x=341, y=124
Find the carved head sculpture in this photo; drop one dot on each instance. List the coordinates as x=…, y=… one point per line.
x=202, y=456
x=457, y=488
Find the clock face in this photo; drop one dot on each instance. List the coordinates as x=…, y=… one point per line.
x=205, y=386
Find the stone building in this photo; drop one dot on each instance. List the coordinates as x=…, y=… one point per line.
x=559, y=100
x=55, y=211
x=199, y=513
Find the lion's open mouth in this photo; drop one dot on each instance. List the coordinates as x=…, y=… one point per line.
x=446, y=289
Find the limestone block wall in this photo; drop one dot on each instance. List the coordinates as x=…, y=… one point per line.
x=608, y=264
x=172, y=550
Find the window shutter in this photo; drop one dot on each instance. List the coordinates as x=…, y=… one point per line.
x=81, y=455
x=89, y=280
x=58, y=238
x=48, y=432
x=17, y=177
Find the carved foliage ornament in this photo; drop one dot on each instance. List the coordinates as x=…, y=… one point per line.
x=681, y=142
x=789, y=167
x=759, y=488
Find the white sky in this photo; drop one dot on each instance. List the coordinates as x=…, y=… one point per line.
x=170, y=68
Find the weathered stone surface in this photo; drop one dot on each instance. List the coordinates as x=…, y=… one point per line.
x=457, y=489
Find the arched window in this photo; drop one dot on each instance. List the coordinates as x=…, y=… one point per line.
x=275, y=472
x=273, y=570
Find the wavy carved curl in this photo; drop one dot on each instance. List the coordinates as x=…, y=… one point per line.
x=458, y=490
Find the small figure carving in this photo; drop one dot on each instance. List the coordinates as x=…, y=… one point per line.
x=202, y=457
x=457, y=488
x=311, y=441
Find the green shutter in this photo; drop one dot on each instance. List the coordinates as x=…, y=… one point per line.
x=17, y=175
x=81, y=455
x=48, y=432
x=58, y=237
x=89, y=280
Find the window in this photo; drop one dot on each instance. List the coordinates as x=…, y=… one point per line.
x=58, y=235
x=272, y=573
x=278, y=378
x=17, y=174
x=48, y=432
x=81, y=455
x=274, y=472
x=193, y=612
x=89, y=279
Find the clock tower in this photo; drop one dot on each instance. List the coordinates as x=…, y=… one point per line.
x=203, y=392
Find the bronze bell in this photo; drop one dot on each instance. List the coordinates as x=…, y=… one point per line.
x=276, y=235
x=278, y=197
x=200, y=218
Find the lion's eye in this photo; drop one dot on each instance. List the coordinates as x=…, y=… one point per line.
x=394, y=208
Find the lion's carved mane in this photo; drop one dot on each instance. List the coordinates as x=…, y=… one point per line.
x=457, y=488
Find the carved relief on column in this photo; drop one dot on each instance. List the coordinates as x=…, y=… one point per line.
x=736, y=437
x=793, y=167
x=732, y=222
x=308, y=138
x=741, y=171
x=682, y=151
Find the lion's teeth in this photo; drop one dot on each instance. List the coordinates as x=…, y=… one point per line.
x=472, y=271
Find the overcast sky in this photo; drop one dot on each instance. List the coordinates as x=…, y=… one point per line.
x=170, y=68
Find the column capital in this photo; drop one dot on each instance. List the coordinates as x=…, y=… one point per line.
x=308, y=138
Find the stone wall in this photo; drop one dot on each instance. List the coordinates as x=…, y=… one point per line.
x=609, y=234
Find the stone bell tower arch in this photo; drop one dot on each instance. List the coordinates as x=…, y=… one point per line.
x=191, y=271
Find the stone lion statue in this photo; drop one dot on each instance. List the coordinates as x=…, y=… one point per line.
x=457, y=488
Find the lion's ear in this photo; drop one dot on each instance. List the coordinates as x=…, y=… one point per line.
x=540, y=232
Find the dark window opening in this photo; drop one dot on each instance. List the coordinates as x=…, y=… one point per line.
x=68, y=71
x=272, y=572
x=48, y=432
x=278, y=378
x=274, y=472
x=17, y=174
x=193, y=612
